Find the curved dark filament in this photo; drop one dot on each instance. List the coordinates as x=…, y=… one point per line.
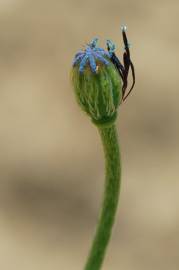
x=127, y=65
x=124, y=69
x=133, y=83
x=118, y=65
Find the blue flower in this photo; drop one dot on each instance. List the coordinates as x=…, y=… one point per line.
x=90, y=55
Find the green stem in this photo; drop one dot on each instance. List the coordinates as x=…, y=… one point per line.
x=110, y=200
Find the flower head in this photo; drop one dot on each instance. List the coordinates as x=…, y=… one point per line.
x=100, y=80
x=97, y=83
x=90, y=56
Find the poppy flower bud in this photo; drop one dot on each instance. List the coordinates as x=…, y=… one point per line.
x=97, y=84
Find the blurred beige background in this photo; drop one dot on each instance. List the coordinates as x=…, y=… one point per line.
x=51, y=159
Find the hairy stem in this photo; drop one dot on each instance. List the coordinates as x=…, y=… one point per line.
x=110, y=199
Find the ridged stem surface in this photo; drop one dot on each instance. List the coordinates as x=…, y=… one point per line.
x=110, y=198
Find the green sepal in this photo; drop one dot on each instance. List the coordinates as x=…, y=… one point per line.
x=98, y=94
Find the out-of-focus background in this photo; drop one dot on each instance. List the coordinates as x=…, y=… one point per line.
x=51, y=159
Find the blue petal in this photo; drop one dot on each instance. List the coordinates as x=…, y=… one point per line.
x=88, y=50
x=77, y=58
x=79, y=52
x=94, y=42
x=92, y=63
x=111, y=45
x=101, y=51
x=101, y=58
x=83, y=63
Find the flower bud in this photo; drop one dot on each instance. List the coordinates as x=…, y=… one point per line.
x=97, y=84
